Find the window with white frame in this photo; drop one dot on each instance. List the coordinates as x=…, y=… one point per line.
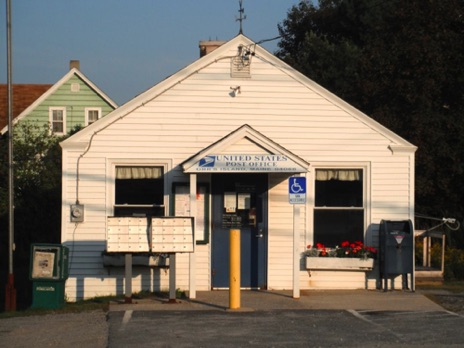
x=57, y=116
x=139, y=191
x=339, y=206
x=92, y=115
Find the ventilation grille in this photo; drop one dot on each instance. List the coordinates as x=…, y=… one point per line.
x=240, y=67
x=75, y=87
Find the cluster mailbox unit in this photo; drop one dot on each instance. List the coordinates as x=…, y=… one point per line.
x=142, y=235
x=158, y=235
x=396, y=251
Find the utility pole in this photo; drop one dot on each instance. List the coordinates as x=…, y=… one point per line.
x=10, y=293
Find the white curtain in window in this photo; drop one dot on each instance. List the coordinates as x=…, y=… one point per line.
x=139, y=172
x=338, y=174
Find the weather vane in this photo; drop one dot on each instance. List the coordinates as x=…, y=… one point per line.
x=242, y=16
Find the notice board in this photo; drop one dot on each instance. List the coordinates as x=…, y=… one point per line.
x=182, y=208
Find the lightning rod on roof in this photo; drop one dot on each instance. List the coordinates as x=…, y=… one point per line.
x=241, y=16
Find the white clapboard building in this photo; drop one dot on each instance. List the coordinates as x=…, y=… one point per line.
x=222, y=141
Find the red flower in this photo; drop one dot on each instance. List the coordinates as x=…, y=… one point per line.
x=347, y=249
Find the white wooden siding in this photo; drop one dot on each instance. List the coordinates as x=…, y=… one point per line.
x=183, y=119
x=280, y=234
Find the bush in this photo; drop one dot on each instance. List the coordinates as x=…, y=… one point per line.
x=454, y=264
x=454, y=259
x=435, y=253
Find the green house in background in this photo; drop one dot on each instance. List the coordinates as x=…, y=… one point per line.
x=72, y=101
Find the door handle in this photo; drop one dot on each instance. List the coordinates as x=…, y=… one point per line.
x=260, y=231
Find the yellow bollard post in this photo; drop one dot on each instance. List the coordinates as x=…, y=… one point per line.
x=234, y=275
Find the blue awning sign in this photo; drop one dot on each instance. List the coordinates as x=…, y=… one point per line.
x=251, y=163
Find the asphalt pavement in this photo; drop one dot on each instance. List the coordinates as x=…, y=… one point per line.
x=352, y=318
x=265, y=319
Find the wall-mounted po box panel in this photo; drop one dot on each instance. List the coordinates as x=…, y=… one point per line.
x=128, y=234
x=172, y=235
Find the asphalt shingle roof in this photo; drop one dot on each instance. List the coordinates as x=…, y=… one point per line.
x=23, y=96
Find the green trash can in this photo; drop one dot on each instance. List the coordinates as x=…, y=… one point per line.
x=48, y=272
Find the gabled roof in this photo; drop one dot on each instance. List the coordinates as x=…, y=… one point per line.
x=223, y=52
x=23, y=96
x=50, y=91
x=291, y=162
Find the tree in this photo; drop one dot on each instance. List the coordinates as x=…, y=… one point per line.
x=37, y=179
x=401, y=63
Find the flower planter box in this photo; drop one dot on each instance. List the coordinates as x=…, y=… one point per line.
x=339, y=263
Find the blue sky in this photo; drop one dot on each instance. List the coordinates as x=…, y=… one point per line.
x=125, y=46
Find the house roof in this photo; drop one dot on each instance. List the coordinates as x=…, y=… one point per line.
x=46, y=93
x=23, y=96
x=223, y=52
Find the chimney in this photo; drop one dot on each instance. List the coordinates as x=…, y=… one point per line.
x=207, y=47
x=74, y=64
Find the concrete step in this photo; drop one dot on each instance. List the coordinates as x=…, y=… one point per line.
x=428, y=274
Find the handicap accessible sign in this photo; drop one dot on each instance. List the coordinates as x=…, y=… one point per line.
x=297, y=190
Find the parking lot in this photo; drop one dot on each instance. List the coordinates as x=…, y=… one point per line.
x=265, y=319
x=285, y=328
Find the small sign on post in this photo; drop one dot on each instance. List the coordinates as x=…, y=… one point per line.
x=296, y=195
x=297, y=190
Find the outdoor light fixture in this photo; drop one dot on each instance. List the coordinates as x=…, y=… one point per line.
x=234, y=91
x=246, y=55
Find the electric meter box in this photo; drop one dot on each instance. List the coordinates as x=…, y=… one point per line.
x=396, y=248
x=48, y=272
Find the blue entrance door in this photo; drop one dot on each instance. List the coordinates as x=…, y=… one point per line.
x=240, y=202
